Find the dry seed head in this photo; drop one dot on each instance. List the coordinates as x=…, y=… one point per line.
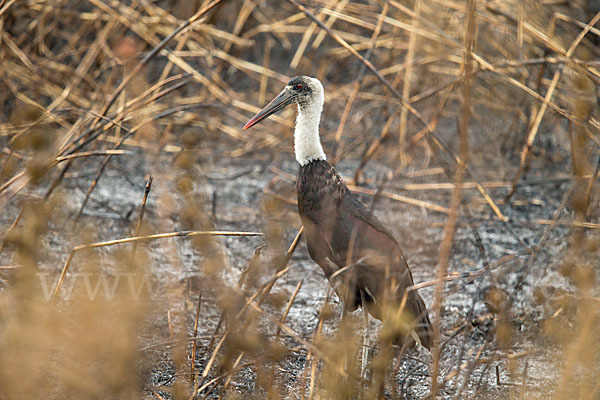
x=277, y=299
x=504, y=333
x=191, y=139
x=584, y=277
x=185, y=160
x=328, y=312
x=496, y=300
x=37, y=169
x=184, y=184
x=38, y=139
x=566, y=269
x=556, y=329
x=250, y=340
x=25, y=113
x=10, y=169
x=275, y=233
x=126, y=49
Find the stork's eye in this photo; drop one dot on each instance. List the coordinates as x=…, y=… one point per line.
x=298, y=86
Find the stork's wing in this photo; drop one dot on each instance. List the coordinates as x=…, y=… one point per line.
x=360, y=234
x=377, y=256
x=360, y=212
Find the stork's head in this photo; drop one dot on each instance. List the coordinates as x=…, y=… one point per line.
x=305, y=91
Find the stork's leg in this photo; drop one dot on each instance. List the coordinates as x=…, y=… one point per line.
x=342, y=326
x=365, y=344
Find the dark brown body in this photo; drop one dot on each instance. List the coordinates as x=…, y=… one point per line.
x=361, y=259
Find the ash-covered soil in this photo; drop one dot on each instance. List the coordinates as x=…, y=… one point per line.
x=509, y=258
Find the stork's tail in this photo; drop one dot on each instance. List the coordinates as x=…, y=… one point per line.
x=413, y=326
x=423, y=328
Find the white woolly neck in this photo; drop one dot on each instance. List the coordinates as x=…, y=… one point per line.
x=307, y=144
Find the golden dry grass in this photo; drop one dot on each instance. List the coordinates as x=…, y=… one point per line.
x=472, y=125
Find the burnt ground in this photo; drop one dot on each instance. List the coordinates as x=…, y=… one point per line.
x=512, y=260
